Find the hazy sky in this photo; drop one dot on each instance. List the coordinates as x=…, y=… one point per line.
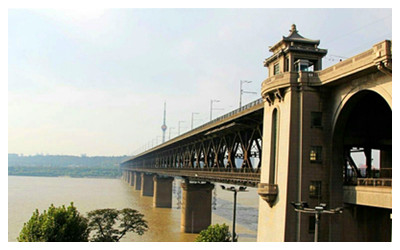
x=94, y=82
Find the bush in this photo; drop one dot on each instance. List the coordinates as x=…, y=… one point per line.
x=102, y=222
x=215, y=233
x=57, y=224
x=67, y=225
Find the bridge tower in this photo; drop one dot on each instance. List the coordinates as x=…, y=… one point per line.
x=283, y=140
x=305, y=141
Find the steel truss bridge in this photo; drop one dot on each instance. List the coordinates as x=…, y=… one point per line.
x=227, y=149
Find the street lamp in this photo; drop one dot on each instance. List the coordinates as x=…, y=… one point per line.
x=211, y=107
x=179, y=127
x=193, y=113
x=242, y=91
x=235, y=191
x=302, y=207
x=169, y=138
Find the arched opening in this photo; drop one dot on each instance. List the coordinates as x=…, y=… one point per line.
x=363, y=133
x=361, y=157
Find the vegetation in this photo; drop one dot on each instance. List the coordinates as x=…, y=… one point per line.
x=56, y=224
x=65, y=165
x=102, y=222
x=82, y=172
x=67, y=225
x=215, y=233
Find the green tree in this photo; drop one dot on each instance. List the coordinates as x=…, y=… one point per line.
x=103, y=223
x=58, y=224
x=215, y=233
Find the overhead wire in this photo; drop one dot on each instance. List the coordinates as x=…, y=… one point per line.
x=355, y=30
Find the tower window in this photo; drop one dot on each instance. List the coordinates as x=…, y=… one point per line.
x=316, y=154
x=286, y=66
x=276, y=68
x=315, y=189
x=273, y=158
x=316, y=119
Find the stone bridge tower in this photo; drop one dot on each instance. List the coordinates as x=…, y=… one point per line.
x=314, y=121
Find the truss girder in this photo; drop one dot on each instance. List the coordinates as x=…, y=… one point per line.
x=234, y=149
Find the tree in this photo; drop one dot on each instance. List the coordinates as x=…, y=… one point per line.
x=57, y=224
x=102, y=222
x=215, y=233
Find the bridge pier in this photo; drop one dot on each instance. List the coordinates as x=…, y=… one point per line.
x=162, y=191
x=131, y=178
x=123, y=175
x=196, y=207
x=128, y=176
x=138, y=181
x=147, y=188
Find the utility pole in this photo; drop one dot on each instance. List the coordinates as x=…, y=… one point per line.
x=193, y=113
x=242, y=91
x=211, y=107
x=179, y=127
x=169, y=138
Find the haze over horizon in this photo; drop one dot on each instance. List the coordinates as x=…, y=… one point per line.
x=94, y=82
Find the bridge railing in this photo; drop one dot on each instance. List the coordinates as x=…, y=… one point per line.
x=233, y=112
x=220, y=118
x=380, y=177
x=374, y=182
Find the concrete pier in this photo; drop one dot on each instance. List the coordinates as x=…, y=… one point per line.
x=196, y=207
x=162, y=191
x=147, y=188
x=138, y=181
x=131, y=178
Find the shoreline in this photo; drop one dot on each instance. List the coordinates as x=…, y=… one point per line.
x=67, y=176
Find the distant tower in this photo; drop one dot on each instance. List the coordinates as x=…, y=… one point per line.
x=164, y=126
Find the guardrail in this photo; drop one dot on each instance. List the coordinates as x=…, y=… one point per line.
x=374, y=182
x=222, y=117
x=234, y=112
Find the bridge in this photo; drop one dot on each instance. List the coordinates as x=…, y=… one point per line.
x=301, y=142
x=226, y=149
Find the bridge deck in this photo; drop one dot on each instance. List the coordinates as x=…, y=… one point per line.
x=226, y=149
x=234, y=177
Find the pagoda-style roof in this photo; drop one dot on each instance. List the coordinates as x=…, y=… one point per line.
x=294, y=42
x=295, y=37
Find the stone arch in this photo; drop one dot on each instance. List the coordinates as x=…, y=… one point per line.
x=364, y=121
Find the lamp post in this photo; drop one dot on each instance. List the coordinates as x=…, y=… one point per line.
x=242, y=91
x=169, y=138
x=193, y=113
x=235, y=191
x=179, y=127
x=211, y=107
x=302, y=207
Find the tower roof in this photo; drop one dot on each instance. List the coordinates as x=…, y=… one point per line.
x=295, y=37
x=295, y=43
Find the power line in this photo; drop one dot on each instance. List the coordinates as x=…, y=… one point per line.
x=355, y=30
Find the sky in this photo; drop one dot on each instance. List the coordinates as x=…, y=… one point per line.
x=95, y=81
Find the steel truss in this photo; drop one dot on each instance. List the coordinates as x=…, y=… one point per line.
x=228, y=153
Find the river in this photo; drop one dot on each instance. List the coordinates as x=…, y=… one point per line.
x=25, y=194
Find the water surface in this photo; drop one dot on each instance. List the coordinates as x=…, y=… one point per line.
x=25, y=194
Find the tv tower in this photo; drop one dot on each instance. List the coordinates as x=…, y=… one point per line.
x=164, y=126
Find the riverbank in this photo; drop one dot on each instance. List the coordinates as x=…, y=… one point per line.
x=74, y=172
